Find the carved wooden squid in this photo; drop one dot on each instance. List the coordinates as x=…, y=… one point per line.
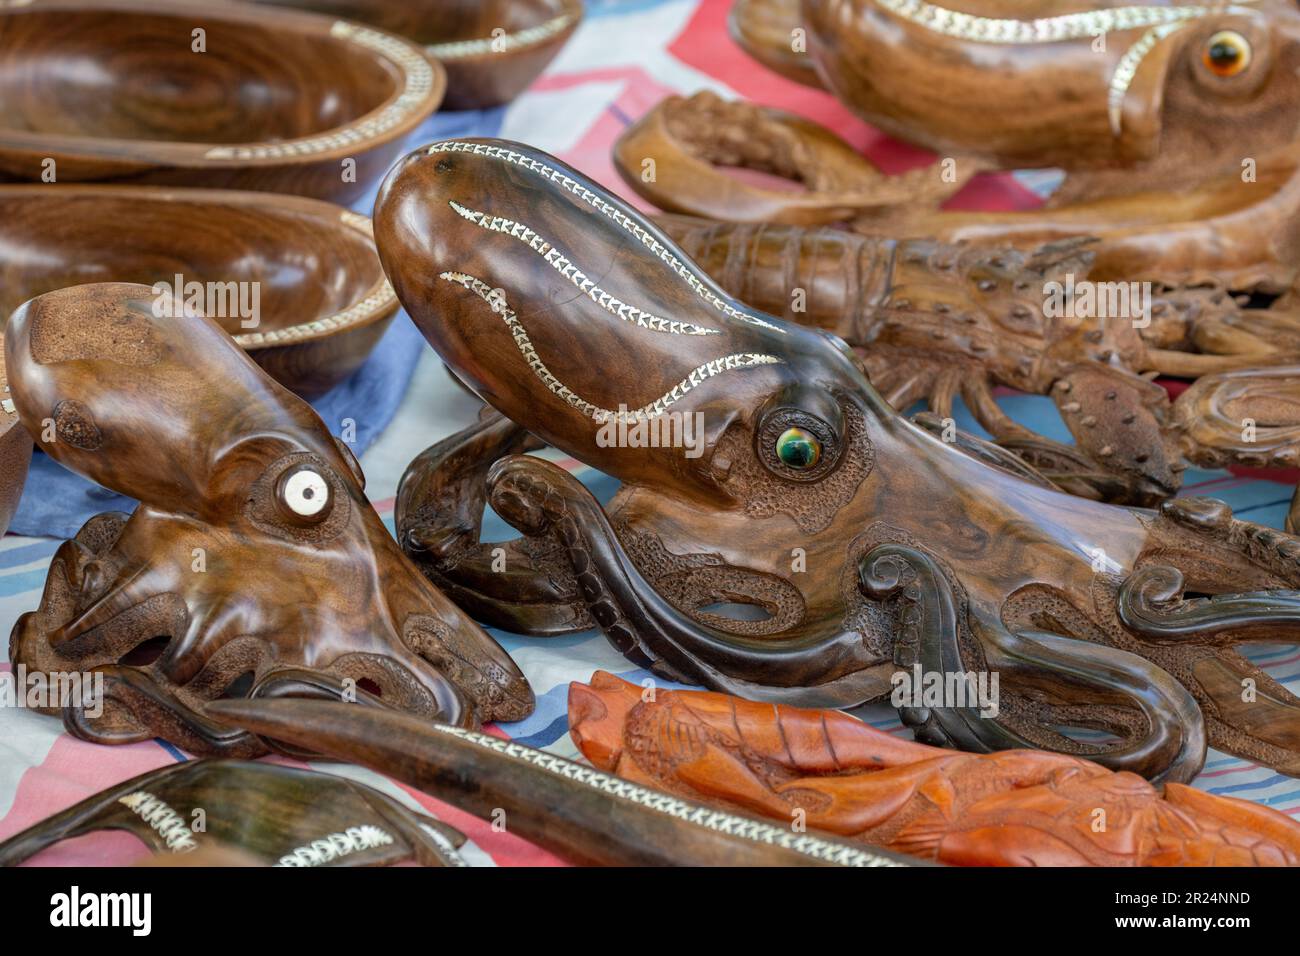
x=254, y=564
x=868, y=544
x=937, y=321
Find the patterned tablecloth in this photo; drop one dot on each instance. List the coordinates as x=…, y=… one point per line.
x=625, y=57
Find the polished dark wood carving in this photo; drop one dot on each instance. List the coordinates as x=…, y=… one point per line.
x=1235, y=228
x=766, y=30
x=836, y=774
x=937, y=321
x=254, y=564
x=866, y=544
x=296, y=281
x=273, y=815
x=15, y=450
x=229, y=95
x=578, y=813
x=1170, y=94
x=491, y=49
x=675, y=156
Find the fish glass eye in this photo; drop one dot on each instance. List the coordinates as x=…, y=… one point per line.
x=797, y=448
x=1226, y=53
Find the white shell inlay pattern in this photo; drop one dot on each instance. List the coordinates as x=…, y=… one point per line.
x=693, y=279
x=451, y=854
x=1070, y=26
x=336, y=845
x=418, y=77
x=566, y=268
x=495, y=298
x=716, y=820
x=506, y=43
x=380, y=297
x=166, y=822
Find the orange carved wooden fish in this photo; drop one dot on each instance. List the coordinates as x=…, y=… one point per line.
x=828, y=771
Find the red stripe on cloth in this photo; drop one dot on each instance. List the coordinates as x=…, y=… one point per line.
x=72, y=771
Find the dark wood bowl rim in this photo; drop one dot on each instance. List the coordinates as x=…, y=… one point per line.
x=421, y=83
x=378, y=301
x=456, y=51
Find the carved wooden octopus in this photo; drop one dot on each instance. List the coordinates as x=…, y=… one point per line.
x=962, y=304
x=866, y=544
x=828, y=771
x=937, y=321
x=254, y=564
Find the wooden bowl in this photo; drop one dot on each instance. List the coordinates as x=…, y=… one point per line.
x=322, y=295
x=492, y=49
x=278, y=100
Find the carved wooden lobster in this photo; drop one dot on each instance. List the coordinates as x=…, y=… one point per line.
x=866, y=544
x=827, y=770
x=937, y=321
x=1237, y=229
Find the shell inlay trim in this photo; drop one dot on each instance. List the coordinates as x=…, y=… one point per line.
x=337, y=845
x=495, y=298
x=716, y=820
x=418, y=81
x=566, y=268
x=166, y=822
x=504, y=43
x=1163, y=21
x=692, y=278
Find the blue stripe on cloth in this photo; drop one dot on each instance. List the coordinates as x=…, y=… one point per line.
x=547, y=735
x=26, y=553
x=178, y=755
x=22, y=581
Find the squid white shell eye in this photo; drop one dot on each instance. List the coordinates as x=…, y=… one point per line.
x=306, y=493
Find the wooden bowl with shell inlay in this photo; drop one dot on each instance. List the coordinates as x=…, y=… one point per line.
x=236, y=96
x=492, y=49
x=296, y=281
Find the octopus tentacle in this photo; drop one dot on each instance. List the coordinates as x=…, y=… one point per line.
x=136, y=707
x=930, y=634
x=538, y=498
x=439, y=514
x=1151, y=604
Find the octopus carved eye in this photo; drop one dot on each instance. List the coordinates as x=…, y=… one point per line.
x=800, y=435
x=304, y=494
x=797, y=448
x=1226, y=53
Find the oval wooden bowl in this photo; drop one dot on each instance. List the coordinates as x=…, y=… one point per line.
x=278, y=100
x=324, y=300
x=492, y=49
